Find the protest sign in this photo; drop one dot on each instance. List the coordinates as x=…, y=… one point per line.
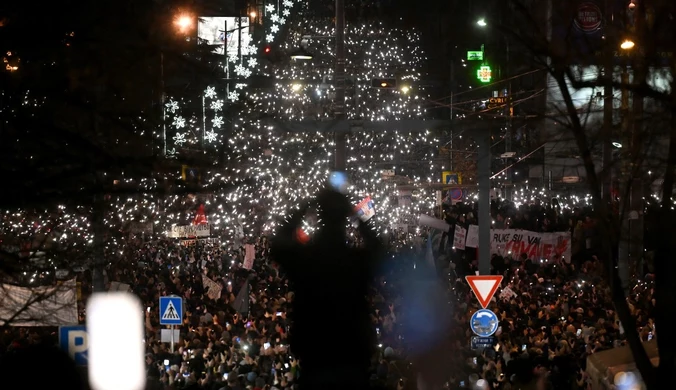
x=514, y=242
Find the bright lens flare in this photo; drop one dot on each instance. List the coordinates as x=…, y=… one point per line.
x=627, y=45
x=183, y=22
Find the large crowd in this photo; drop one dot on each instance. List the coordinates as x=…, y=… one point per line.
x=236, y=337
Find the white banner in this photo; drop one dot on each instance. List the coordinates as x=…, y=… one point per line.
x=514, y=242
x=472, y=237
x=213, y=288
x=39, y=306
x=188, y=231
x=435, y=223
x=459, y=236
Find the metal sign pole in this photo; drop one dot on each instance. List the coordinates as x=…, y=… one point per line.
x=171, y=329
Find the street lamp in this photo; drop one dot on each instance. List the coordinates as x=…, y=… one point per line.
x=301, y=54
x=627, y=44
x=481, y=22
x=183, y=22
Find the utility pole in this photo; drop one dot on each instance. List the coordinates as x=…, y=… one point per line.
x=450, y=114
x=98, y=262
x=630, y=251
x=509, y=133
x=483, y=138
x=339, y=84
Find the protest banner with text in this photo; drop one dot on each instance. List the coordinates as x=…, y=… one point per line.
x=514, y=242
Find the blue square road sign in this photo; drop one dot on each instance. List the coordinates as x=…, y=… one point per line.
x=73, y=341
x=171, y=310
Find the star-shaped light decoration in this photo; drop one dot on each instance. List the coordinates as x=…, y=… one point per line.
x=270, y=38
x=270, y=8
x=210, y=92
x=210, y=136
x=217, y=121
x=179, y=139
x=239, y=69
x=252, y=62
x=217, y=105
x=233, y=96
x=172, y=106
x=274, y=18
x=179, y=122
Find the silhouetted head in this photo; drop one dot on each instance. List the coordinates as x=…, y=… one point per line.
x=334, y=208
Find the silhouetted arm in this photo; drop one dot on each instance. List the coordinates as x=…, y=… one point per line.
x=372, y=245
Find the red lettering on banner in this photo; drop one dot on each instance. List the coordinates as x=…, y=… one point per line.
x=547, y=250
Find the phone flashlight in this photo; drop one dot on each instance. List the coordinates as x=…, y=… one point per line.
x=279, y=314
x=166, y=362
x=266, y=345
x=523, y=347
x=225, y=376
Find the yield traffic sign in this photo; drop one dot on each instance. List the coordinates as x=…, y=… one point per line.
x=484, y=287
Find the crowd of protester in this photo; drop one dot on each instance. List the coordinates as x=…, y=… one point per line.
x=238, y=338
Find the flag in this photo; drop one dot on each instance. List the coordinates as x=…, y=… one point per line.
x=241, y=304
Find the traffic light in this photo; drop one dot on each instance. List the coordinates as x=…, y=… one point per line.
x=384, y=83
x=267, y=50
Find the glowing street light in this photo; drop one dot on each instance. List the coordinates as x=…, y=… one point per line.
x=405, y=89
x=627, y=44
x=481, y=22
x=183, y=22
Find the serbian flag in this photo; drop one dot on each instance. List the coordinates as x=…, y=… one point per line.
x=365, y=209
x=201, y=217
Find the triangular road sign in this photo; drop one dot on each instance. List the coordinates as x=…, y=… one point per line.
x=484, y=287
x=170, y=312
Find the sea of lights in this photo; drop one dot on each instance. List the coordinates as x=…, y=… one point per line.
x=275, y=169
x=288, y=167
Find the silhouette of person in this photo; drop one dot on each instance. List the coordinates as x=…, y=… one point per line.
x=331, y=333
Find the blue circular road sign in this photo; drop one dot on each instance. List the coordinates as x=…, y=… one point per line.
x=484, y=323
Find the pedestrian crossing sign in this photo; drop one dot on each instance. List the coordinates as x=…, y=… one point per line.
x=171, y=310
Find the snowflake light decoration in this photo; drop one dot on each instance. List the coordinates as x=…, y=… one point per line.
x=171, y=106
x=217, y=122
x=179, y=139
x=210, y=92
x=217, y=105
x=211, y=136
x=179, y=122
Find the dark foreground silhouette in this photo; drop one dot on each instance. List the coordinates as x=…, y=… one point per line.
x=39, y=367
x=331, y=332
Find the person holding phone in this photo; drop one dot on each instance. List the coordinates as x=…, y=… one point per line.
x=331, y=281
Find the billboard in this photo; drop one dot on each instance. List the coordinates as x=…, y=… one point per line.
x=224, y=32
